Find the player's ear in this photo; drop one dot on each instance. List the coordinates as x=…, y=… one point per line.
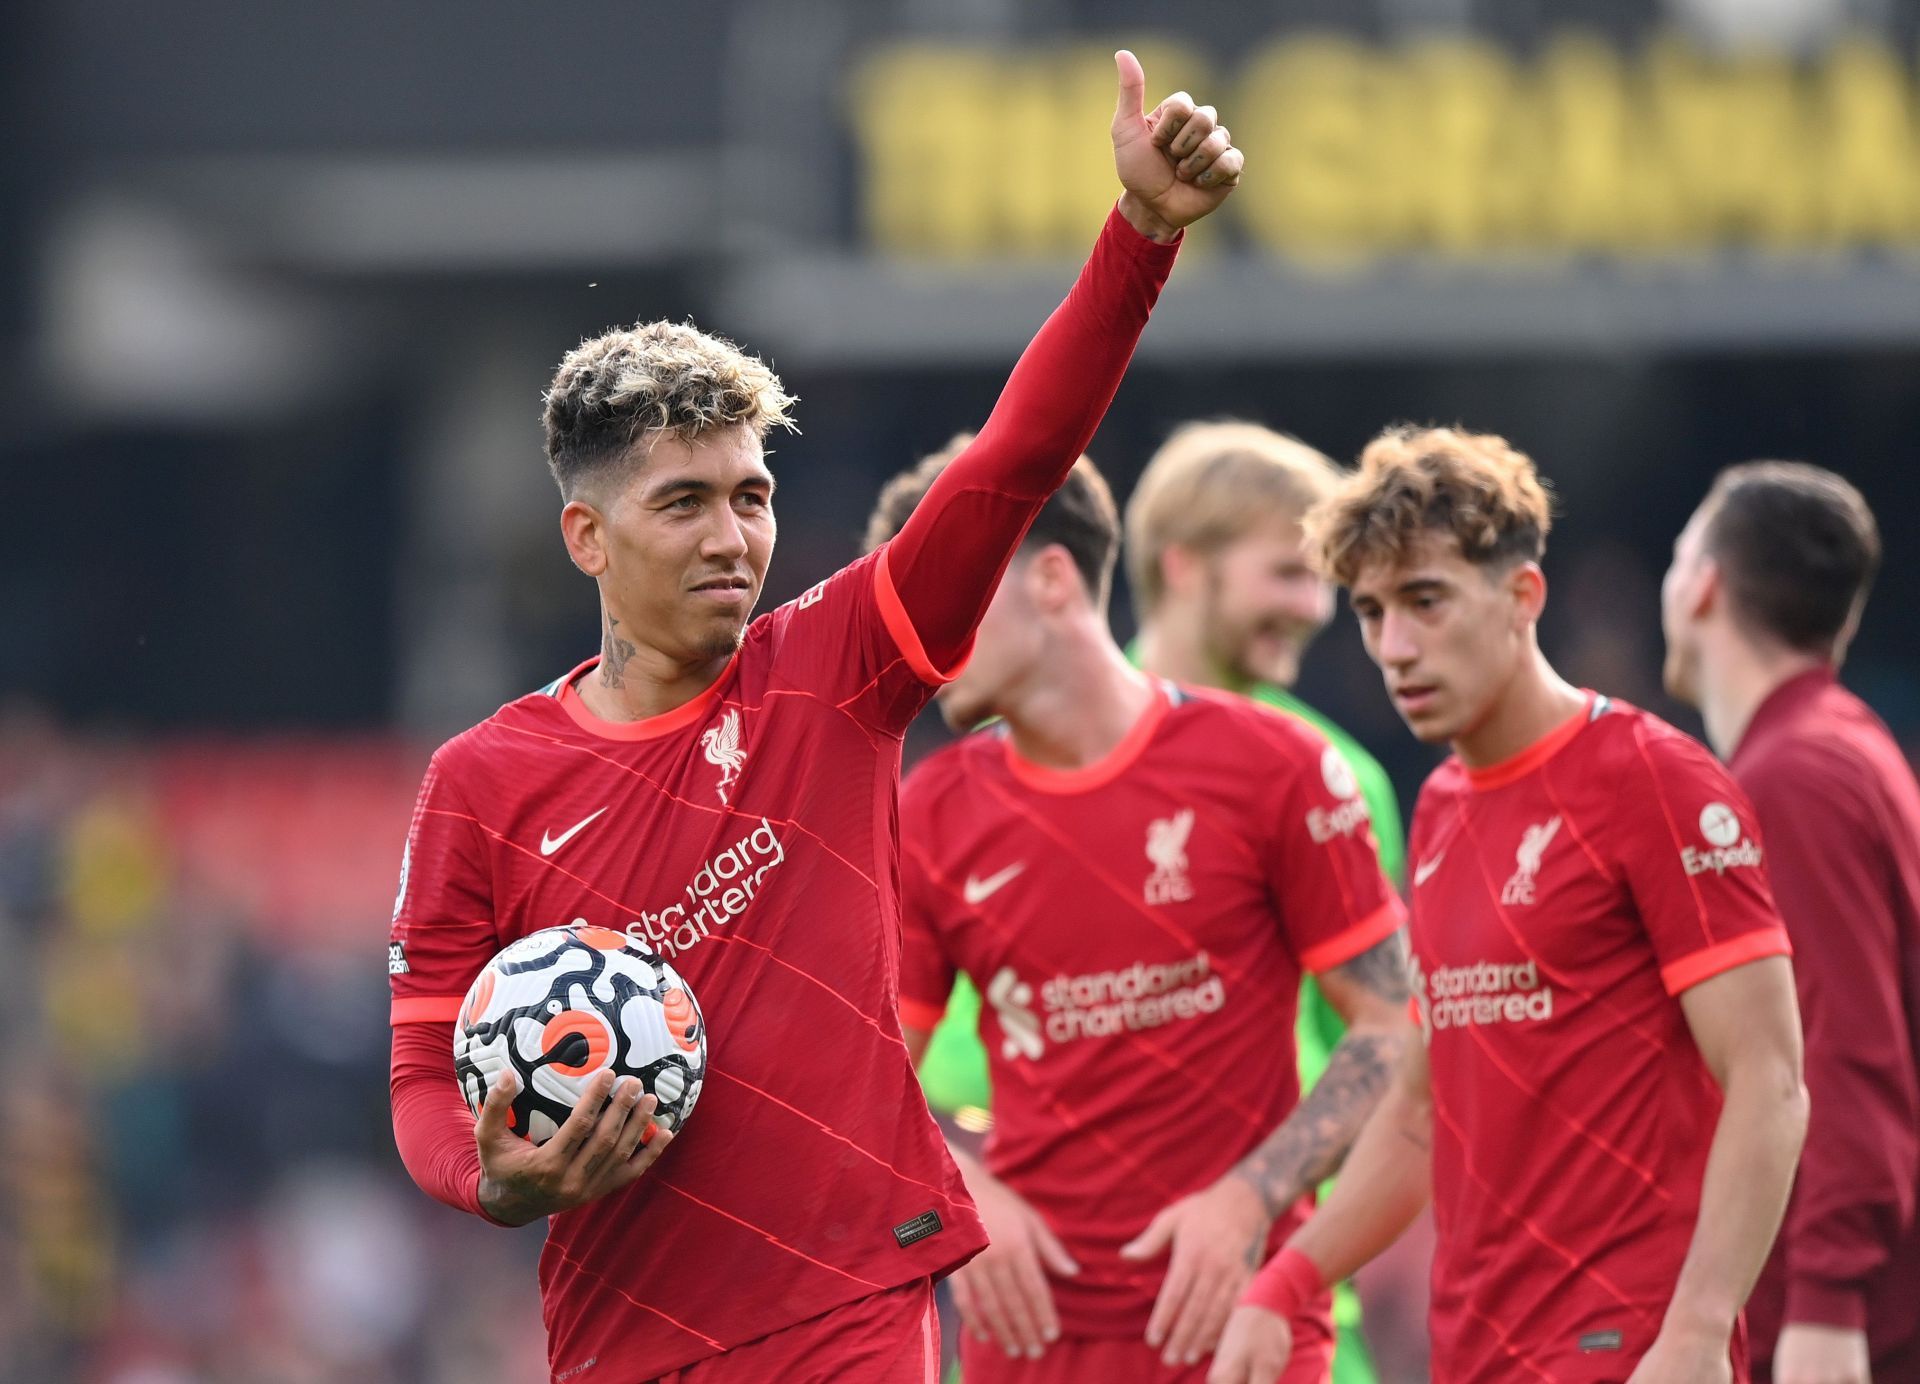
x=1709, y=588
x=1181, y=570
x=1053, y=578
x=1528, y=586
x=584, y=529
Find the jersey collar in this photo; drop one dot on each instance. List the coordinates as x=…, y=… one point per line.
x=1109, y=766
x=1779, y=706
x=1540, y=751
x=686, y=714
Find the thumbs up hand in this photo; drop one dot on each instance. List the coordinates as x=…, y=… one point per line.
x=1177, y=163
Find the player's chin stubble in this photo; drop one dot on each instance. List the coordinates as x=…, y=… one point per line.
x=723, y=642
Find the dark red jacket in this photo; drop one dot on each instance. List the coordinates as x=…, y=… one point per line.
x=1839, y=812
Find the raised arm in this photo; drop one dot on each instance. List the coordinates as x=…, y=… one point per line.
x=1175, y=166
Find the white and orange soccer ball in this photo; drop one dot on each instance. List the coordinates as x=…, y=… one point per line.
x=560, y=1005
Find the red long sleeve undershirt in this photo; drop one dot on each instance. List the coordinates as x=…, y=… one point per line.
x=947, y=560
x=944, y=566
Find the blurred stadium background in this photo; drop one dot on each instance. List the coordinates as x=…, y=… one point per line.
x=279, y=290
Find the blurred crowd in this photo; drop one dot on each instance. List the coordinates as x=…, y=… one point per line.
x=200, y=1174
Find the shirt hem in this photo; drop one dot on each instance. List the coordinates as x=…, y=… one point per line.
x=801, y=1308
x=1818, y=1302
x=893, y=614
x=1690, y=970
x=1370, y=931
x=921, y=1015
x=426, y=1009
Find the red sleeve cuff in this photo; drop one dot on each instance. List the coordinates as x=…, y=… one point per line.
x=427, y=1009
x=1370, y=931
x=900, y=625
x=918, y=1014
x=1821, y=1303
x=1144, y=246
x=1695, y=967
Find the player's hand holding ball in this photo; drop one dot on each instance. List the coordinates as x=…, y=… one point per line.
x=1002, y=1293
x=1176, y=164
x=582, y=1053
x=1254, y=1349
x=609, y=1140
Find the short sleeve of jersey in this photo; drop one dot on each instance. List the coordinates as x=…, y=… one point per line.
x=443, y=927
x=1692, y=858
x=926, y=971
x=1322, y=869
x=849, y=640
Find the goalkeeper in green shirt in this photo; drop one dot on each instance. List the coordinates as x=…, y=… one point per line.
x=1224, y=599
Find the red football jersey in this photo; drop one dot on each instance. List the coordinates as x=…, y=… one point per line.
x=746, y=836
x=1561, y=901
x=749, y=835
x=1138, y=929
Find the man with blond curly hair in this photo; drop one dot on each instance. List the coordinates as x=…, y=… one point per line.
x=1608, y=1106
x=724, y=792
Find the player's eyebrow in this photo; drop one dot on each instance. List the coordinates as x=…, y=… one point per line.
x=672, y=489
x=1419, y=586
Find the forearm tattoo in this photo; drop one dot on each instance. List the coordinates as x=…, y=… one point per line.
x=1312, y=1142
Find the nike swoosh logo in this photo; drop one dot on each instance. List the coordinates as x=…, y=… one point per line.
x=1424, y=870
x=978, y=891
x=550, y=844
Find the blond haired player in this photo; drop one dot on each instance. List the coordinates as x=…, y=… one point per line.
x=1608, y=1107
x=1226, y=598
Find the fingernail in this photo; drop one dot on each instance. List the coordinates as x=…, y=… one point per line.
x=1033, y=1352
x=1053, y=1334
x=1013, y=1352
x=1193, y=1357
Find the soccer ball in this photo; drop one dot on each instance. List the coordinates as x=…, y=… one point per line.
x=560, y=1004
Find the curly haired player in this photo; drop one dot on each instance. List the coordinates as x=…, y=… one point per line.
x=1608, y=1106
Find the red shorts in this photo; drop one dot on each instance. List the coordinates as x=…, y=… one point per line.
x=1130, y=1360
x=886, y=1338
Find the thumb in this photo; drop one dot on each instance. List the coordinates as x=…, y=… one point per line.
x=1052, y=1253
x=491, y=1127
x=1131, y=108
x=1151, y=1241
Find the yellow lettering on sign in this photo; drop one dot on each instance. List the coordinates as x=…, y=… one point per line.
x=1467, y=149
x=972, y=152
x=1730, y=135
x=1585, y=116
x=1311, y=107
x=1450, y=148
x=1868, y=173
